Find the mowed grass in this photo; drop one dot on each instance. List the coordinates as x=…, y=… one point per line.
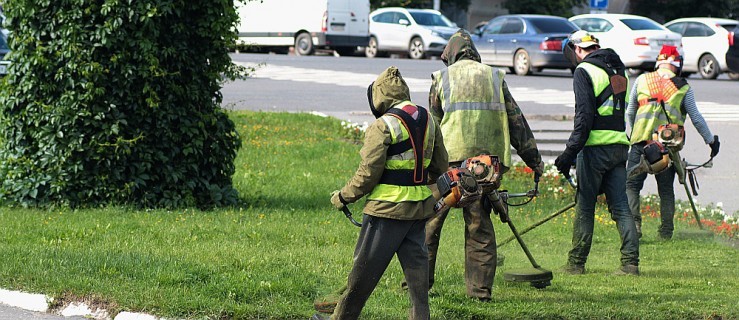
x=285, y=246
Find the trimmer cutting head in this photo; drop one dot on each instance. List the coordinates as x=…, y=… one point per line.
x=539, y=278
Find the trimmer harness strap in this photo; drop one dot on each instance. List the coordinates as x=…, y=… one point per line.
x=417, y=131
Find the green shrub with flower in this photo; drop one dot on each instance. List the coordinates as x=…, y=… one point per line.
x=352, y=131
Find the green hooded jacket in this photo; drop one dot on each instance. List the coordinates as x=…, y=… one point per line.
x=460, y=54
x=390, y=90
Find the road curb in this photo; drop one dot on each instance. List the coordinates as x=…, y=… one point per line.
x=42, y=303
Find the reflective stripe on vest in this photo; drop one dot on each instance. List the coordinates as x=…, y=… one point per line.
x=652, y=88
x=475, y=121
x=404, y=161
x=610, y=132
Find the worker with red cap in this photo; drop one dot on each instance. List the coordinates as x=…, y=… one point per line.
x=658, y=100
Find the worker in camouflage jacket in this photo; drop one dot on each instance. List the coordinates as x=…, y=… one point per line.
x=477, y=115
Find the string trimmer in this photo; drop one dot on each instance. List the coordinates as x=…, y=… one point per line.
x=683, y=169
x=537, y=276
x=547, y=218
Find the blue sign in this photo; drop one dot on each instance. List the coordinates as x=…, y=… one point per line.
x=599, y=4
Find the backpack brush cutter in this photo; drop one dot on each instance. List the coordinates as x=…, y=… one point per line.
x=662, y=152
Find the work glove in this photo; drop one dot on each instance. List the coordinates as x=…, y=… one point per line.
x=336, y=200
x=714, y=146
x=538, y=169
x=564, y=162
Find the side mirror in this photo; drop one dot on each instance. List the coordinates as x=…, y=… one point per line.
x=404, y=22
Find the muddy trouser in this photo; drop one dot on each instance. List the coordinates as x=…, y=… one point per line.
x=379, y=240
x=480, y=251
x=665, y=189
x=603, y=169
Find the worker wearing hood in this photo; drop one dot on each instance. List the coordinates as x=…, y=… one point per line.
x=477, y=115
x=403, y=153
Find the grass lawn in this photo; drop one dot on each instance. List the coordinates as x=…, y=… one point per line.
x=285, y=246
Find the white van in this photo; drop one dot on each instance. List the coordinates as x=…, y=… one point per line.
x=341, y=25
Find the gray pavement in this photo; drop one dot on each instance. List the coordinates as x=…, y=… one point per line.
x=13, y=313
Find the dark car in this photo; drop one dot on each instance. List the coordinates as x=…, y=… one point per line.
x=732, y=56
x=524, y=42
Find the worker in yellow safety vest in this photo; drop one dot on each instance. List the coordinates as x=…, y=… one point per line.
x=403, y=153
x=478, y=115
x=599, y=144
x=660, y=98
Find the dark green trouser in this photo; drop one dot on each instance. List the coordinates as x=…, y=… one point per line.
x=379, y=240
x=479, y=248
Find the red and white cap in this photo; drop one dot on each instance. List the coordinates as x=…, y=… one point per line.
x=669, y=54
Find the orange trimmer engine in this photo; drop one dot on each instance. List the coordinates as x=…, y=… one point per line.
x=670, y=135
x=487, y=171
x=458, y=188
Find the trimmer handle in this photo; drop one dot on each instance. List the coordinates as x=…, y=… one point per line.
x=569, y=179
x=348, y=214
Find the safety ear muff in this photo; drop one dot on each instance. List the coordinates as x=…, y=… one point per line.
x=568, y=49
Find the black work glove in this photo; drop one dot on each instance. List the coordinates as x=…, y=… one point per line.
x=714, y=146
x=564, y=162
x=538, y=169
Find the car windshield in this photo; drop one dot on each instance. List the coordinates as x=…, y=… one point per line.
x=431, y=19
x=544, y=25
x=641, y=24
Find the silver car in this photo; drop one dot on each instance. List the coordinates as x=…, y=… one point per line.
x=417, y=32
x=524, y=42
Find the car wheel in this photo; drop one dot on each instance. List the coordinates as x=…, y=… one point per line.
x=304, y=44
x=415, y=48
x=370, y=51
x=708, y=67
x=733, y=75
x=521, y=63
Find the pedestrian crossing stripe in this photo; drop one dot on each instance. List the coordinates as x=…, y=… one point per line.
x=711, y=111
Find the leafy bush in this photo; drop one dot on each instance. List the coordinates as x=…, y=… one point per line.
x=111, y=101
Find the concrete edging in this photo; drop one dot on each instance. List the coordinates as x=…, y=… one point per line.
x=41, y=303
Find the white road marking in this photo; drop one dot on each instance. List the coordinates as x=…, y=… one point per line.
x=712, y=111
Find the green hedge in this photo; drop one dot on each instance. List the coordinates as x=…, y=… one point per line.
x=118, y=101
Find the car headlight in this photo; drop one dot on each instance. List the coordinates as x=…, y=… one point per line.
x=444, y=36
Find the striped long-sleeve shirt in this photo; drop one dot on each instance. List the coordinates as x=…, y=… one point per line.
x=688, y=104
